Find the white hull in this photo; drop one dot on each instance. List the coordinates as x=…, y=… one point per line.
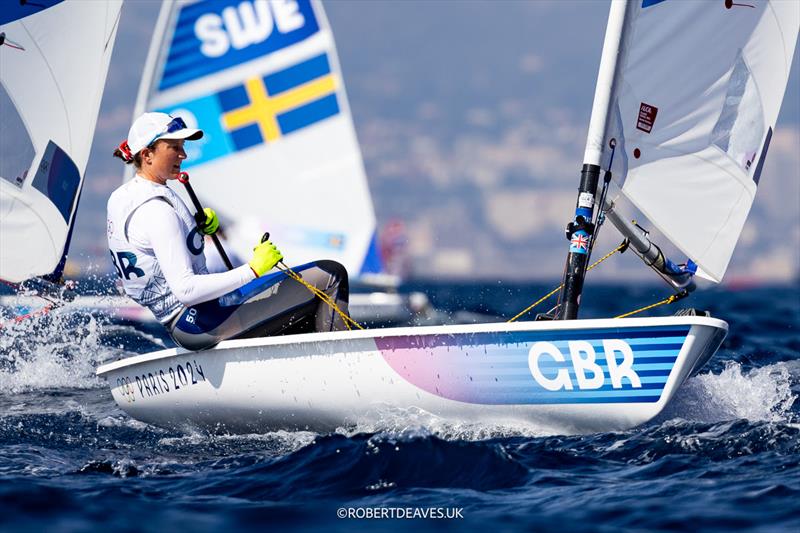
x=494, y=373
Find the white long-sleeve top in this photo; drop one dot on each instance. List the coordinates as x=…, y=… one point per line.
x=156, y=225
x=158, y=250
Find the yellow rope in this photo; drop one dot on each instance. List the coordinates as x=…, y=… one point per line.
x=537, y=302
x=662, y=302
x=350, y=322
x=622, y=246
x=322, y=296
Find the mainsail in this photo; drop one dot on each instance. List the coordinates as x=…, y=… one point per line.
x=693, y=93
x=53, y=64
x=280, y=153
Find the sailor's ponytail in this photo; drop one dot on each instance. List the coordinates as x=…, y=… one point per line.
x=123, y=152
x=118, y=153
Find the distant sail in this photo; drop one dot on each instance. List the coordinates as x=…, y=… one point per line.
x=698, y=87
x=280, y=152
x=53, y=64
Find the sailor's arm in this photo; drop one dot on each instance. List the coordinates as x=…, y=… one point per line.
x=158, y=223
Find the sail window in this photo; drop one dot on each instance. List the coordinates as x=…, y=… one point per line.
x=16, y=147
x=58, y=178
x=740, y=127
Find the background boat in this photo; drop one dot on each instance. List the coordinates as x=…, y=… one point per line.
x=50, y=106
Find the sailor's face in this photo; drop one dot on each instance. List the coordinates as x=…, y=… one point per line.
x=165, y=159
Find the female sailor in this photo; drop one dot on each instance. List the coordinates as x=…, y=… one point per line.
x=157, y=250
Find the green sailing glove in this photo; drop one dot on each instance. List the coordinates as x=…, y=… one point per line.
x=211, y=225
x=265, y=257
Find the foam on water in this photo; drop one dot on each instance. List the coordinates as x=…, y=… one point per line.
x=124, y=421
x=413, y=422
x=55, y=350
x=276, y=443
x=763, y=394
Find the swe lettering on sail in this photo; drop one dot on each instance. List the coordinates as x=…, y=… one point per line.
x=251, y=22
x=214, y=36
x=588, y=373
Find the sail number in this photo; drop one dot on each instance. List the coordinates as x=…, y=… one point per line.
x=589, y=374
x=161, y=381
x=249, y=23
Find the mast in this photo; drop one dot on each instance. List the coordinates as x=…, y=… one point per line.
x=165, y=17
x=581, y=230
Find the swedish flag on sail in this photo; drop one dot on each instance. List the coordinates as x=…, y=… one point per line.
x=266, y=108
x=261, y=110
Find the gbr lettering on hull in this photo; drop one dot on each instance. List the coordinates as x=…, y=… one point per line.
x=588, y=373
x=251, y=22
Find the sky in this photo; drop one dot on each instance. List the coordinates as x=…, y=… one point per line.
x=472, y=119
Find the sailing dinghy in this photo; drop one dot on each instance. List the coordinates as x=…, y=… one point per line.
x=685, y=106
x=54, y=58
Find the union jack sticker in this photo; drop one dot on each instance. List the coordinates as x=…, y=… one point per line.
x=579, y=243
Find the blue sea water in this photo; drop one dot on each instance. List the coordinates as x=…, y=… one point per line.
x=725, y=455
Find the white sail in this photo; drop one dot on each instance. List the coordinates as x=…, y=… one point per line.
x=695, y=90
x=280, y=153
x=53, y=66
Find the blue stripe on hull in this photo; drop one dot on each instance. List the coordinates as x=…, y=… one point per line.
x=633, y=364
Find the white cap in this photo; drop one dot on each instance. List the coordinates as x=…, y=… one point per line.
x=153, y=126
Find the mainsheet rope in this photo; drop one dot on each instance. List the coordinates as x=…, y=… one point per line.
x=200, y=218
x=665, y=301
x=322, y=295
x=619, y=249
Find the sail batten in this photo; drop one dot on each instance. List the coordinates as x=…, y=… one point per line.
x=697, y=91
